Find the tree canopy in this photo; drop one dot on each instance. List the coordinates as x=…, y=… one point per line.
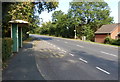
x=24, y=11
x=84, y=17
x=94, y=14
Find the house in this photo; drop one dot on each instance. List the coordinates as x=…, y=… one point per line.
x=111, y=30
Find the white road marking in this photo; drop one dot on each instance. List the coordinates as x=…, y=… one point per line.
x=58, y=48
x=66, y=42
x=83, y=60
x=64, y=51
x=71, y=54
x=54, y=46
x=33, y=44
x=37, y=65
x=108, y=53
x=102, y=70
x=50, y=50
x=58, y=40
x=79, y=46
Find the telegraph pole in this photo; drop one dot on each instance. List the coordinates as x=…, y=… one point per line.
x=75, y=29
x=75, y=32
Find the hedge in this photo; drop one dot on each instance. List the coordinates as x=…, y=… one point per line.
x=108, y=40
x=6, y=48
x=116, y=42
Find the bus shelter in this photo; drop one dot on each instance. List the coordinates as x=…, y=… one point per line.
x=16, y=33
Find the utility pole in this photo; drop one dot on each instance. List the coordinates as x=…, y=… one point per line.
x=75, y=32
x=75, y=29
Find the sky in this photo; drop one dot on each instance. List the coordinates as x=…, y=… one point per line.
x=64, y=6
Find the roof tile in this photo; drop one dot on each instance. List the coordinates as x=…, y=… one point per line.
x=107, y=28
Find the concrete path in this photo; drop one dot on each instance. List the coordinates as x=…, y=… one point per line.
x=23, y=65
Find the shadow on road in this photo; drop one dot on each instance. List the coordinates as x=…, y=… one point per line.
x=45, y=38
x=38, y=37
x=27, y=45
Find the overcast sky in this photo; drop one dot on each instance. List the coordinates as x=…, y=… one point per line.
x=64, y=6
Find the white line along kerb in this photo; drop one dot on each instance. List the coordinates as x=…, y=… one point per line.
x=102, y=70
x=108, y=53
x=83, y=60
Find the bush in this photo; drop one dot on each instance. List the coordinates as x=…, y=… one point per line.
x=108, y=40
x=6, y=48
x=88, y=32
x=116, y=42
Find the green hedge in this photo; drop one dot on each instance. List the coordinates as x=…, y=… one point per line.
x=6, y=48
x=108, y=40
x=116, y=42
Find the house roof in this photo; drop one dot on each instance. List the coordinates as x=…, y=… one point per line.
x=18, y=21
x=107, y=28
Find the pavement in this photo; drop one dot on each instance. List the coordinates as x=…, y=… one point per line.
x=22, y=66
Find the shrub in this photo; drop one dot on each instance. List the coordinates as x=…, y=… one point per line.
x=88, y=32
x=108, y=40
x=6, y=48
x=116, y=42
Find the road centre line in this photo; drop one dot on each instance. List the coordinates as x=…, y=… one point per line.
x=64, y=51
x=54, y=46
x=108, y=53
x=58, y=48
x=71, y=54
x=83, y=60
x=66, y=42
x=102, y=70
x=79, y=46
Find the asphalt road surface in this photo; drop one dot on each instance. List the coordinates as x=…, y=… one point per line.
x=93, y=61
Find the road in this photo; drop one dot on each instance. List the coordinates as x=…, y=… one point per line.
x=89, y=61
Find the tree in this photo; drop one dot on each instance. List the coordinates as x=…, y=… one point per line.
x=85, y=17
x=42, y=6
x=90, y=14
x=44, y=29
x=63, y=24
x=87, y=32
x=57, y=15
x=25, y=11
x=58, y=18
